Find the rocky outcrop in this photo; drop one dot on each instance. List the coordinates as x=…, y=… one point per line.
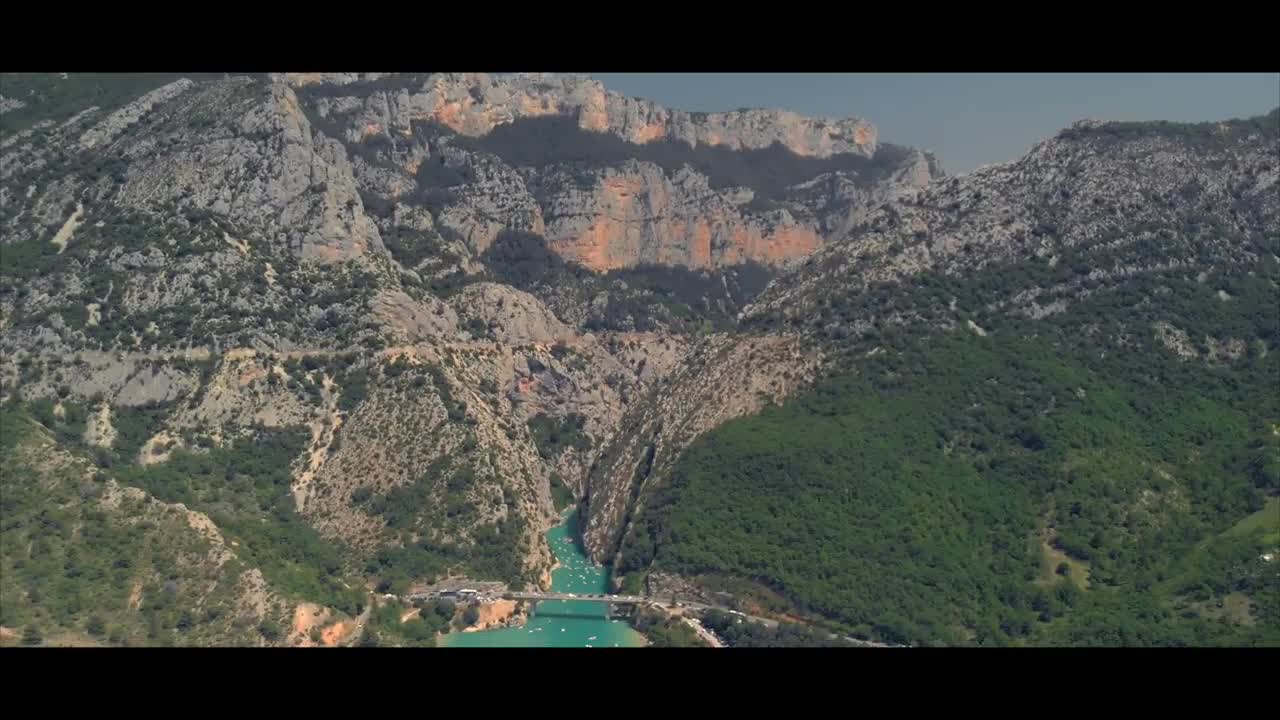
x=304, y=79
x=635, y=214
x=494, y=199
x=612, y=214
x=723, y=378
x=264, y=169
x=1106, y=197
x=510, y=316
x=410, y=321
x=313, y=250
x=1111, y=203
x=116, y=123
x=10, y=104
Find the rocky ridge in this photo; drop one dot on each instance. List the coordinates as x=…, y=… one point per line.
x=1084, y=213
x=456, y=317
x=476, y=103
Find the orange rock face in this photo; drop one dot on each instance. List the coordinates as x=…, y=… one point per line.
x=595, y=113
x=700, y=247
x=450, y=114
x=649, y=133
x=336, y=633
x=787, y=243
x=636, y=222
x=538, y=106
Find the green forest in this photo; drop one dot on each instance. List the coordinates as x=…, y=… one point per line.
x=244, y=488
x=662, y=630
x=1024, y=487
x=737, y=632
x=81, y=560
x=419, y=630
x=50, y=96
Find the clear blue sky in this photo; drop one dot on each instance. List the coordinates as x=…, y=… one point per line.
x=968, y=119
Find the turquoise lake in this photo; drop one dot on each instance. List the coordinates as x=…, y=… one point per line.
x=567, y=623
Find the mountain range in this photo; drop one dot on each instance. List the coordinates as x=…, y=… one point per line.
x=273, y=343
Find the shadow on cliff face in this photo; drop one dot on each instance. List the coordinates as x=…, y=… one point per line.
x=644, y=298
x=557, y=139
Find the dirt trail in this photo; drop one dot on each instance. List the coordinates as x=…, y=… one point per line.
x=306, y=617
x=135, y=597
x=346, y=632
x=322, y=435
x=68, y=228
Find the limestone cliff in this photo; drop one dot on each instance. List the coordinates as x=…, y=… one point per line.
x=476, y=103
x=635, y=214
x=330, y=256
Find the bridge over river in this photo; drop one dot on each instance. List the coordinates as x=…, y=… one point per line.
x=533, y=598
x=571, y=597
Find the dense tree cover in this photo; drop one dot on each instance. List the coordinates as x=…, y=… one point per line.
x=66, y=419
x=245, y=488
x=134, y=425
x=495, y=552
x=50, y=97
x=561, y=495
x=554, y=435
x=557, y=139
x=420, y=630
x=70, y=564
x=32, y=636
x=665, y=631
x=736, y=631
x=28, y=259
x=471, y=615
x=410, y=246
x=909, y=497
x=442, y=493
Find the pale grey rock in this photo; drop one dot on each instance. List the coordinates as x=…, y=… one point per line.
x=118, y=121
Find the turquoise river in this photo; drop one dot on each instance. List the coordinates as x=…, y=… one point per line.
x=568, y=623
